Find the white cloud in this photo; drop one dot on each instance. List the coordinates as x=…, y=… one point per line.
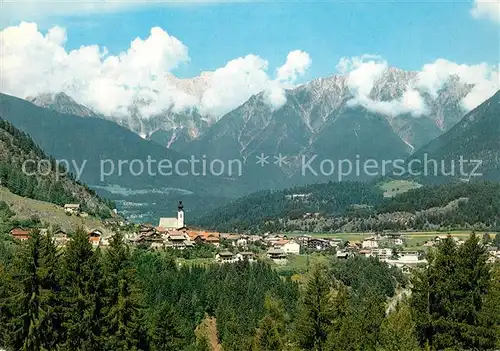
x=364, y=71
x=362, y=74
x=483, y=76
x=297, y=63
x=231, y=85
x=110, y=84
x=410, y=102
x=489, y=9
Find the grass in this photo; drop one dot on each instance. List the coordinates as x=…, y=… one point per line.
x=414, y=240
x=48, y=213
x=299, y=264
x=195, y=262
x=395, y=187
x=344, y=236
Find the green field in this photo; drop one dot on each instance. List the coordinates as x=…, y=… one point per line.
x=413, y=239
x=48, y=213
x=395, y=187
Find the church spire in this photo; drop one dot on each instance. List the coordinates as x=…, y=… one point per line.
x=180, y=215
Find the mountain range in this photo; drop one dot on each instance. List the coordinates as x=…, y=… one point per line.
x=321, y=101
x=323, y=119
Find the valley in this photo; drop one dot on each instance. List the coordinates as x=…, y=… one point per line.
x=316, y=124
x=249, y=176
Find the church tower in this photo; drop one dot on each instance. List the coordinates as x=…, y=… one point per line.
x=180, y=215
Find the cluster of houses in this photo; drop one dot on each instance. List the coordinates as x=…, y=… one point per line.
x=60, y=237
x=172, y=233
x=74, y=209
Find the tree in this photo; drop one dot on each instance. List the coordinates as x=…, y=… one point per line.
x=486, y=238
x=432, y=300
x=496, y=241
x=271, y=333
x=82, y=293
x=315, y=311
x=473, y=280
x=449, y=296
x=397, y=331
x=122, y=315
x=164, y=331
x=363, y=313
x=491, y=311
x=202, y=343
x=33, y=302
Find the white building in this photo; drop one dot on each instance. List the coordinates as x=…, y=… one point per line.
x=72, y=208
x=369, y=244
x=291, y=247
x=170, y=223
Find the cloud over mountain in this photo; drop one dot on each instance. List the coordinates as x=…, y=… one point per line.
x=363, y=72
x=110, y=84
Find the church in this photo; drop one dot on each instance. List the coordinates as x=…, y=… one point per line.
x=174, y=223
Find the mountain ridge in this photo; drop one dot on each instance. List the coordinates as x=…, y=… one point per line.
x=474, y=138
x=319, y=97
x=27, y=171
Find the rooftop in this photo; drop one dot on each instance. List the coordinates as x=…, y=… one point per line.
x=225, y=254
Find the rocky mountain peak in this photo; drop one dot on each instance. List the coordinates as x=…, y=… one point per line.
x=62, y=103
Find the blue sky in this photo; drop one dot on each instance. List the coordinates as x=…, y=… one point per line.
x=406, y=34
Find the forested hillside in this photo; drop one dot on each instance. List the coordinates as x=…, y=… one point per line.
x=43, y=184
x=350, y=206
x=255, y=210
x=474, y=138
x=121, y=299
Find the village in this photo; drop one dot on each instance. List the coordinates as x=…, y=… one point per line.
x=173, y=233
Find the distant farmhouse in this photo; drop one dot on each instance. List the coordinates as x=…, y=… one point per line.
x=19, y=233
x=72, y=208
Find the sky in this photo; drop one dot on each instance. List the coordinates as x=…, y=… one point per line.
x=276, y=44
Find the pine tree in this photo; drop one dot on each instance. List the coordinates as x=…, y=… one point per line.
x=397, y=331
x=315, y=311
x=473, y=280
x=202, y=343
x=82, y=281
x=271, y=333
x=51, y=289
x=491, y=311
x=361, y=313
x=33, y=302
x=432, y=300
x=164, y=331
x=449, y=296
x=122, y=316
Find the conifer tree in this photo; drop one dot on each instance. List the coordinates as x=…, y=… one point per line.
x=473, y=280
x=397, y=331
x=315, y=312
x=122, y=316
x=83, y=286
x=33, y=304
x=432, y=296
x=202, y=343
x=51, y=291
x=449, y=298
x=164, y=330
x=271, y=333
